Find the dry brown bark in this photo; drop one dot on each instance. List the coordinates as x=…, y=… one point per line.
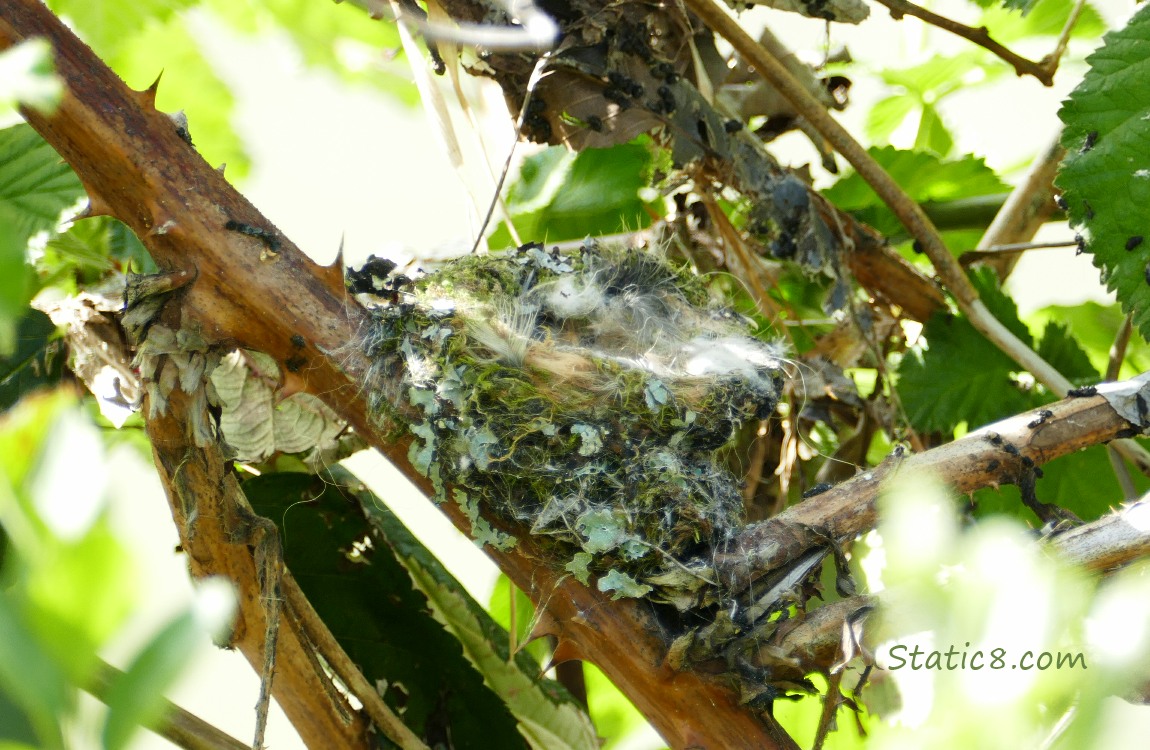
x=262, y=293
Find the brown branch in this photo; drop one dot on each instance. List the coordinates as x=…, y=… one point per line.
x=199, y=482
x=262, y=293
x=181, y=728
x=1109, y=542
x=979, y=36
x=1029, y=206
x=990, y=456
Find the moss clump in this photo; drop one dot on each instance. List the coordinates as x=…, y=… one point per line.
x=584, y=396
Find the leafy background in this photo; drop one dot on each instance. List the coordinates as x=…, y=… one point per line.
x=299, y=102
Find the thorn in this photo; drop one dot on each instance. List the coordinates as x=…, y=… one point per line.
x=147, y=97
x=96, y=207
x=544, y=625
x=222, y=167
x=333, y=274
x=564, y=651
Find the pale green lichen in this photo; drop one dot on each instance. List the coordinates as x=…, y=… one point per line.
x=585, y=396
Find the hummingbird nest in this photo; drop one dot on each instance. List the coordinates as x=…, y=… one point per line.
x=587, y=397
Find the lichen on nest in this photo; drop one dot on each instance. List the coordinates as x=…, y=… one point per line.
x=586, y=396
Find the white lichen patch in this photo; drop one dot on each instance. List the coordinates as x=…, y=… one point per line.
x=585, y=396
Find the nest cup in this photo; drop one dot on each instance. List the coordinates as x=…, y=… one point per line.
x=585, y=396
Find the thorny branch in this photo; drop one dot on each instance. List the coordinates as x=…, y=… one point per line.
x=135, y=166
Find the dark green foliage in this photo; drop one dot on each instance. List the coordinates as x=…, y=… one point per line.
x=1082, y=482
x=959, y=376
x=925, y=178
x=37, y=362
x=365, y=596
x=1065, y=354
x=35, y=184
x=1105, y=175
x=90, y=250
x=568, y=196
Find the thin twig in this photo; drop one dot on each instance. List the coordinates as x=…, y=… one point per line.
x=908, y=212
x=1027, y=208
x=1051, y=61
x=1020, y=246
x=979, y=35
x=341, y=665
x=1113, y=367
x=181, y=728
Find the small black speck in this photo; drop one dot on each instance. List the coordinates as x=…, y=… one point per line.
x=1038, y=473
x=295, y=364
x=994, y=438
x=595, y=122
x=1134, y=242
x=1091, y=140
x=1086, y=390
x=1043, y=415
x=1027, y=462
x=733, y=126
x=993, y=465
x=1060, y=201
x=1088, y=212
x=1011, y=449
x=298, y=341
x=1079, y=245
x=916, y=246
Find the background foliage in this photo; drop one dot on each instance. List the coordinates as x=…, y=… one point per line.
x=439, y=658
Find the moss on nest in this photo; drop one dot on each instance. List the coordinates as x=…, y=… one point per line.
x=585, y=396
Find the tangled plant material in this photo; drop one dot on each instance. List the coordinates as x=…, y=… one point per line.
x=587, y=397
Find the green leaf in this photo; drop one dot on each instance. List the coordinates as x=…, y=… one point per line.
x=959, y=376
x=1046, y=18
x=1065, y=354
x=885, y=116
x=944, y=74
x=15, y=725
x=14, y=285
x=35, y=184
x=352, y=578
x=925, y=177
x=344, y=39
x=30, y=678
x=933, y=135
x=1082, y=482
x=548, y=716
x=90, y=250
x=136, y=698
x=1106, y=173
x=1095, y=326
x=568, y=196
x=109, y=24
